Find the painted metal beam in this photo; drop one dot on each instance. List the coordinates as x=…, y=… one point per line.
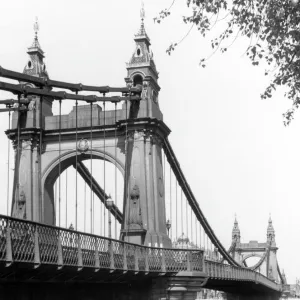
x=46, y=82
x=22, y=89
x=93, y=184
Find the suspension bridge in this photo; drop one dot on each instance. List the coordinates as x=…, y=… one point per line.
x=98, y=196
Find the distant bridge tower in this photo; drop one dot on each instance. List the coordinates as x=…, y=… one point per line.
x=131, y=138
x=266, y=252
x=236, y=241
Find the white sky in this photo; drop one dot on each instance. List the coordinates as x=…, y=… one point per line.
x=233, y=147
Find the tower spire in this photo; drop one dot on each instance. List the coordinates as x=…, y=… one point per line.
x=236, y=233
x=142, y=72
x=36, y=43
x=142, y=13
x=36, y=28
x=270, y=231
x=35, y=65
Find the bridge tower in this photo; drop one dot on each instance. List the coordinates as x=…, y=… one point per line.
x=272, y=265
x=26, y=187
x=236, y=241
x=131, y=138
x=266, y=252
x=144, y=159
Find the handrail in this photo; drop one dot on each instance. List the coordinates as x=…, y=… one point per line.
x=31, y=242
x=219, y=270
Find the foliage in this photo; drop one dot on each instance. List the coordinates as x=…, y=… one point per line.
x=272, y=27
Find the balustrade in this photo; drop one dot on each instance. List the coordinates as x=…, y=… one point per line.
x=29, y=242
x=25, y=241
x=218, y=270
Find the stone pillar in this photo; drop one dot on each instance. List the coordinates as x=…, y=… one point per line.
x=25, y=202
x=144, y=199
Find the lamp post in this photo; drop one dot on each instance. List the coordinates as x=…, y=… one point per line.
x=109, y=205
x=168, y=225
x=71, y=227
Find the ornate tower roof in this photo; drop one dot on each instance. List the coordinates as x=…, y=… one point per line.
x=35, y=65
x=270, y=230
x=184, y=242
x=142, y=56
x=236, y=233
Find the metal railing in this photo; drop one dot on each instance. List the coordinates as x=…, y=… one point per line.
x=222, y=271
x=30, y=242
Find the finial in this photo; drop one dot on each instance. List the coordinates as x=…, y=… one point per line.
x=270, y=219
x=142, y=12
x=235, y=218
x=36, y=27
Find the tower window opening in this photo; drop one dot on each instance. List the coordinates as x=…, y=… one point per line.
x=138, y=52
x=138, y=79
x=29, y=64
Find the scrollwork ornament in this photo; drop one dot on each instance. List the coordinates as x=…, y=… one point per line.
x=145, y=90
x=157, y=140
x=31, y=105
x=130, y=136
x=83, y=145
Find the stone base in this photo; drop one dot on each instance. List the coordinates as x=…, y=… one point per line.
x=135, y=236
x=145, y=238
x=153, y=239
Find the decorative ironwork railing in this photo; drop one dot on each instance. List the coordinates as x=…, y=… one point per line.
x=29, y=242
x=223, y=271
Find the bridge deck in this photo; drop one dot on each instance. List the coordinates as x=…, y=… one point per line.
x=41, y=249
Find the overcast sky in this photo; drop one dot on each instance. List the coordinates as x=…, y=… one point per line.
x=233, y=147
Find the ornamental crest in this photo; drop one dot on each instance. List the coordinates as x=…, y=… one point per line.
x=83, y=145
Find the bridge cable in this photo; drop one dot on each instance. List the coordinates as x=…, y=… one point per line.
x=55, y=195
x=104, y=181
x=204, y=239
x=40, y=160
x=66, y=198
x=84, y=208
x=181, y=216
x=18, y=150
x=8, y=161
x=176, y=213
x=102, y=203
x=191, y=225
x=76, y=163
x=93, y=194
x=116, y=196
x=101, y=219
x=187, y=224
x=196, y=227
x=129, y=167
x=59, y=166
x=164, y=178
x=200, y=240
x=171, y=203
x=91, y=163
x=126, y=172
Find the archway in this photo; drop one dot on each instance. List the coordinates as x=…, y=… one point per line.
x=55, y=205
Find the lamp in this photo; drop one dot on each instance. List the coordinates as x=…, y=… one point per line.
x=109, y=204
x=168, y=225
